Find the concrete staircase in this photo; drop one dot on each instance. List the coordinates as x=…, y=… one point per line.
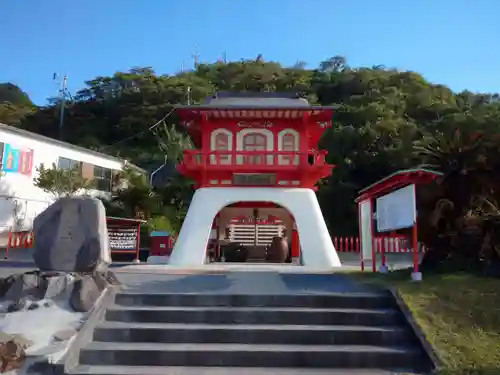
x=292, y=334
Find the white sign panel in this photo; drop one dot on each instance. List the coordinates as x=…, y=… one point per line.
x=365, y=219
x=397, y=210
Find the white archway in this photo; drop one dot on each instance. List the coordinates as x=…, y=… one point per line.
x=317, y=247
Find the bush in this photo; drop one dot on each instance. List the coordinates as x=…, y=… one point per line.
x=160, y=223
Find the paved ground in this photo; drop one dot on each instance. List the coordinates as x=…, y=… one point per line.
x=222, y=277
x=243, y=282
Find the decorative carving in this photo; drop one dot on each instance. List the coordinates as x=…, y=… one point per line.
x=255, y=124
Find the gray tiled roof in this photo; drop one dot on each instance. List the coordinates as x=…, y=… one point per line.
x=256, y=99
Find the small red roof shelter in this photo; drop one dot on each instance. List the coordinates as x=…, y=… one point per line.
x=395, y=181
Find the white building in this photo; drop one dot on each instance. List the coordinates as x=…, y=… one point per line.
x=22, y=152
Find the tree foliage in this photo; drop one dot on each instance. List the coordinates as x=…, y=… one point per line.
x=136, y=197
x=62, y=182
x=15, y=104
x=386, y=120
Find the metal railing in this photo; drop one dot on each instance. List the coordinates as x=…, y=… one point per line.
x=261, y=159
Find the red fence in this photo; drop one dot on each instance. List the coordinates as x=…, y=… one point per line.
x=383, y=244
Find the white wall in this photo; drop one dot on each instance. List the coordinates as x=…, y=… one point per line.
x=318, y=250
x=18, y=189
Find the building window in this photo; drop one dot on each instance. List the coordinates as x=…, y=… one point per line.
x=289, y=142
x=221, y=141
x=102, y=178
x=222, y=144
x=254, y=142
x=65, y=163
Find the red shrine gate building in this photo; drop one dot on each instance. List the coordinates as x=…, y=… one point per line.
x=255, y=153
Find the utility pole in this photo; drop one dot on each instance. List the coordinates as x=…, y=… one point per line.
x=62, y=96
x=196, y=57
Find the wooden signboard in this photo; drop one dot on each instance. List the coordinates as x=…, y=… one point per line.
x=124, y=235
x=122, y=239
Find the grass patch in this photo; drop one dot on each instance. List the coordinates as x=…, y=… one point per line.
x=459, y=314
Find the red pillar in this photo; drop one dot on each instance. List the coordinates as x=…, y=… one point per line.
x=295, y=243
x=415, y=247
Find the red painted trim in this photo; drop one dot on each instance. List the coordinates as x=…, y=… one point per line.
x=396, y=182
x=254, y=205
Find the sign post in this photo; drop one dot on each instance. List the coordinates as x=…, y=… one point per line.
x=395, y=200
x=398, y=210
x=124, y=236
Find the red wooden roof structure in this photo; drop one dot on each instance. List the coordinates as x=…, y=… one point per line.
x=193, y=116
x=398, y=180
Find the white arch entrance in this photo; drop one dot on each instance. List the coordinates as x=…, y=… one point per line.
x=317, y=247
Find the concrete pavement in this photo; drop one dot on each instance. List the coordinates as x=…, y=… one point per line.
x=20, y=260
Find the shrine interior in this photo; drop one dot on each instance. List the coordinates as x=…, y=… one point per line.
x=245, y=231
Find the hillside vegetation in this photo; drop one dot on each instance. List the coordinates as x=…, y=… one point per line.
x=386, y=120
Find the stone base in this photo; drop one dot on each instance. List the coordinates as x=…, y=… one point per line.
x=80, y=291
x=158, y=259
x=416, y=276
x=383, y=269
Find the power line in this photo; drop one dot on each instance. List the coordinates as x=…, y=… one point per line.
x=141, y=133
x=152, y=127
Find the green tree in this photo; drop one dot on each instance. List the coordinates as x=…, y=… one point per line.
x=62, y=182
x=15, y=104
x=135, y=196
x=385, y=120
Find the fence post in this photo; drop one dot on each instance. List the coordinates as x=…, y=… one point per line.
x=7, y=248
x=374, y=254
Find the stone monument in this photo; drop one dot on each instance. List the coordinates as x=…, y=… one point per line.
x=71, y=251
x=71, y=236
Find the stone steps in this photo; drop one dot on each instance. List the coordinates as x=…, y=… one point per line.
x=171, y=370
x=315, y=356
x=254, y=315
x=340, y=300
x=251, y=334
x=207, y=334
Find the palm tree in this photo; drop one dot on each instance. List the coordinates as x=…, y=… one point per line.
x=172, y=142
x=470, y=189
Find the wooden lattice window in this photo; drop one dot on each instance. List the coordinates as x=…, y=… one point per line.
x=289, y=143
x=222, y=142
x=254, y=142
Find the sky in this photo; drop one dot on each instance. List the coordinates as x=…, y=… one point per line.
x=451, y=42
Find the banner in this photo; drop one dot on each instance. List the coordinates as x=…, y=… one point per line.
x=16, y=160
